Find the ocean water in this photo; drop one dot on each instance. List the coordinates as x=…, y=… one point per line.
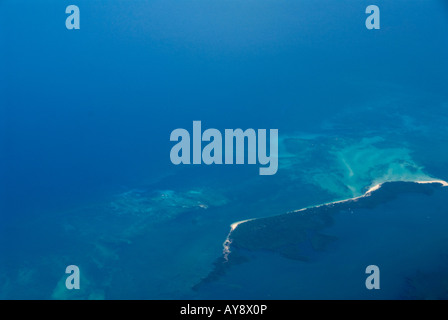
x=85, y=173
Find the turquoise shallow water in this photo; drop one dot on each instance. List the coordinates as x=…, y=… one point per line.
x=155, y=242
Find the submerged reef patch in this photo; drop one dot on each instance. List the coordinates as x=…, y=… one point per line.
x=345, y=167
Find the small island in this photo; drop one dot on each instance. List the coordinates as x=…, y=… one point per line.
x=300, y=234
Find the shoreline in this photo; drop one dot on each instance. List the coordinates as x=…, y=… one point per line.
x=233, y=226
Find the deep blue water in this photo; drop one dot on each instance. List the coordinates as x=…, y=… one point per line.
x=85, y=116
